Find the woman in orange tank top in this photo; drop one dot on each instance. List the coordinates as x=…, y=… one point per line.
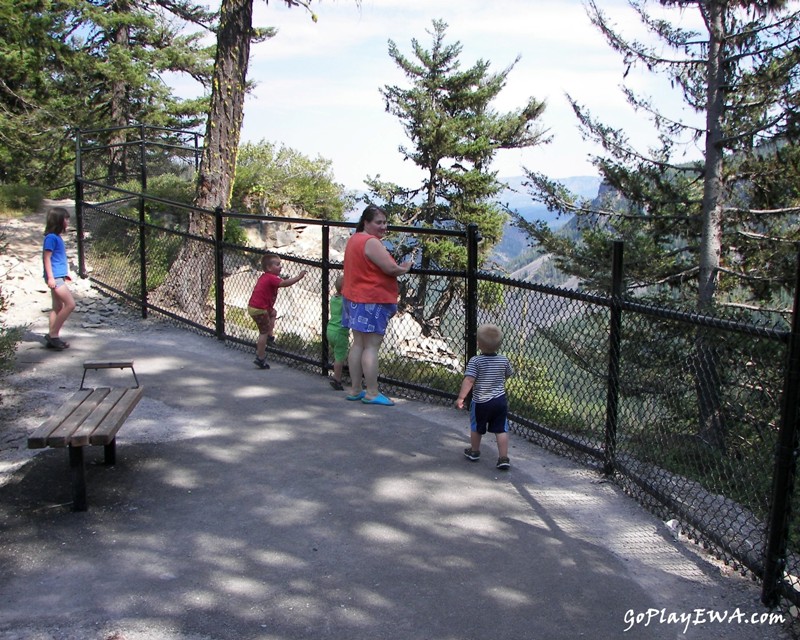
x=370, y=300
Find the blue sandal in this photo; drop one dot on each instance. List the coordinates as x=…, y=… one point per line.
x=379, y=399
x=358, y=396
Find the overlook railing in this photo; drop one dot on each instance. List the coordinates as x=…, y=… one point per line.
x=694, y=415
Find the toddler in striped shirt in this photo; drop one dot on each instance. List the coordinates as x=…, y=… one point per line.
x=486, y=376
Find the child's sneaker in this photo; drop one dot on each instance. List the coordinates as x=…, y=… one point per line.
x=56, y=343
x=503, y=463
x=472, y=455
x=337, y=385
x=261, y=363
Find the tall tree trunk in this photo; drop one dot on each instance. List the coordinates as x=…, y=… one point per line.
x=712, y=428
x=192, y=274
x=119, y=102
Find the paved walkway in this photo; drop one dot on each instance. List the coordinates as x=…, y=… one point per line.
x=251, y=504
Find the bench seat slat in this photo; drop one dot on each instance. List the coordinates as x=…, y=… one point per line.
x=80, y=437
x=38, y=439
x=107, y=430
x=60, y=437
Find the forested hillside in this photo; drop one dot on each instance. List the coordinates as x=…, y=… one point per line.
x=514, y=253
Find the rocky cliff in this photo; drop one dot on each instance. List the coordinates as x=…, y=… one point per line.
x=299, y=307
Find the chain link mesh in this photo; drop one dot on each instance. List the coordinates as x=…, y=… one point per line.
x=686, y=416
x=701, y=461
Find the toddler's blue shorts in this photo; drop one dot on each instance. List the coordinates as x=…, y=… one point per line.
x=491, y=416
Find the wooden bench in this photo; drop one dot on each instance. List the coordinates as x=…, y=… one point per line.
x=89, y=417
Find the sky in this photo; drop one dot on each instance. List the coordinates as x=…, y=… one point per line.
x=317, y=84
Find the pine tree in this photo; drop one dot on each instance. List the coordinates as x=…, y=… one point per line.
x=684, y=219
x=454, y=132
x=90, y=65
x=690, y=228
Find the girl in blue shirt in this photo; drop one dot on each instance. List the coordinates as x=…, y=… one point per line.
x=56, y=275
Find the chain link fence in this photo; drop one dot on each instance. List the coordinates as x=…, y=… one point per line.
x=683, y=411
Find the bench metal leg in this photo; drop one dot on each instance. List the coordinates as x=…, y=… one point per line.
x=110, y=452
x=78, y=472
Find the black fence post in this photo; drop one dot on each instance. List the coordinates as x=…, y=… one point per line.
x=219, y=273
x=471, y=311
x=79, y=205
x=785, y=463
x=143, y=219
x=143, y=158
x=326, y=291
x=614, y=339
x=143, y=254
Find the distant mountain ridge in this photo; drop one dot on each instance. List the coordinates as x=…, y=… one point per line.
x=514, y=242
x=517, y=198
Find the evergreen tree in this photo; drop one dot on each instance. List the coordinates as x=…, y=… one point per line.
x=682, y=221
x=691, y=228
x=447, y=114
x=90, y=65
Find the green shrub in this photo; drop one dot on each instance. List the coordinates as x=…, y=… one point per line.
x=235, y=233
x=19, y=199
x=293, y=343
x=9, y=337
x=162, y=249
x=239, y=317
x=165, y=187
x=422, y=373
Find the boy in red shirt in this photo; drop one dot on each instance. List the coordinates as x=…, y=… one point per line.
x=261, y=306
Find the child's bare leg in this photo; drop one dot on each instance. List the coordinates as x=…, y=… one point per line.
x=56, y=307
x=52, y=320
x=272, y=315
x=502, y=445
x=337, y=370
x=261, y=346
x=262, y=322
x=63, y=306
x=474, y=440
x=354, y=362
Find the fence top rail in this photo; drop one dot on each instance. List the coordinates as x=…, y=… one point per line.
x=106, y=203
x=458, y=233
x=135, y=194
x=137, y=143
x=249, y=216
x=139, y=127
x=701, y=320
x=595, y=298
